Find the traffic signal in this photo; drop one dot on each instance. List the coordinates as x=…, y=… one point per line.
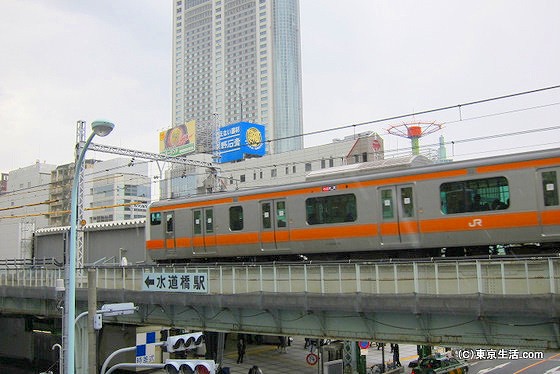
x=190, y=366
x=183, y=342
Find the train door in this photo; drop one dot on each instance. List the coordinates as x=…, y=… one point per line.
x=204, y=238
x=169, y=233
x=275, y=233
x=549, y=204
x=398, y=219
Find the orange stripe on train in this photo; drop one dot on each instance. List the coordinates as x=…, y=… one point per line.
x=482, y=222
x=183, y=242
x=237, y=238
x=154, y=244
x=550, y=217
x=340, y=232
x=518, y=165
x=191, y=204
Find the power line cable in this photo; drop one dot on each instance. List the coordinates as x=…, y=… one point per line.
x=400, y=116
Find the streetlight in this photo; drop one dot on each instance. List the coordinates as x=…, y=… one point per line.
x=101, y=128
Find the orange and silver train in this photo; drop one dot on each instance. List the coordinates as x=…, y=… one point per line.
x=465, y=207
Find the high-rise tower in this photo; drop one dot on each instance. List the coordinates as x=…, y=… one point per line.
x=239, y=60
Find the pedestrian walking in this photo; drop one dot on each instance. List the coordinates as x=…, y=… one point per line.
x=396, y=358
x=240, y=350
x=282, y=344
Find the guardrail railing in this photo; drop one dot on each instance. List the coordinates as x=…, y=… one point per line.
x=19, y=263
x=500, y=277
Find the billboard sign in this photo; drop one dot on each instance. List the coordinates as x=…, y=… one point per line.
x=179, y=140
x=239, y=140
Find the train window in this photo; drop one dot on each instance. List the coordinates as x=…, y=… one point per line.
x=169, y=222
x=407, y=202
x=236, y=218
x=387, y=204
x=474, y=195
x=550, y=188
x=266, y=217
x=209, y=221
x=197, y=222
x=281, y=214
x=331, y=209
x=155, y=219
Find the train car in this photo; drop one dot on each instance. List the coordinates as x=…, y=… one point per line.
x=462, y=207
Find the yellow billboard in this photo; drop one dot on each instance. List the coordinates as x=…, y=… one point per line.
x=179, y=140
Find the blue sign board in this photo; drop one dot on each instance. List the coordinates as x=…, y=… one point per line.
x=239, y=140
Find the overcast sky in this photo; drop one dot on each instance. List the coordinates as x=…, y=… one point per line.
x=363, y=60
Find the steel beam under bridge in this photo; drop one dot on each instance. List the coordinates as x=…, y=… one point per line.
x=471, y=303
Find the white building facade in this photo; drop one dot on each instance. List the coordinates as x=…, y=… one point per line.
x=115, y=190
x=239, y=60
x=23, y=209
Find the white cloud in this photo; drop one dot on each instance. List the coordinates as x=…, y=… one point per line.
x=363, y=60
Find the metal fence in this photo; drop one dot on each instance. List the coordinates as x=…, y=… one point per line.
x=503, y=277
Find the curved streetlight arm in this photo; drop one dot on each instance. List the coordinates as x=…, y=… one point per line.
x=122, y=350
x=132, y=365
x=80, y=316
x=110, y=357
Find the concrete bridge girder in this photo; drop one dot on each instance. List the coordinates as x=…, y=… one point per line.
x=478, y=320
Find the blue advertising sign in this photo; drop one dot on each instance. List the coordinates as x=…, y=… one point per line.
x=240, y=140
